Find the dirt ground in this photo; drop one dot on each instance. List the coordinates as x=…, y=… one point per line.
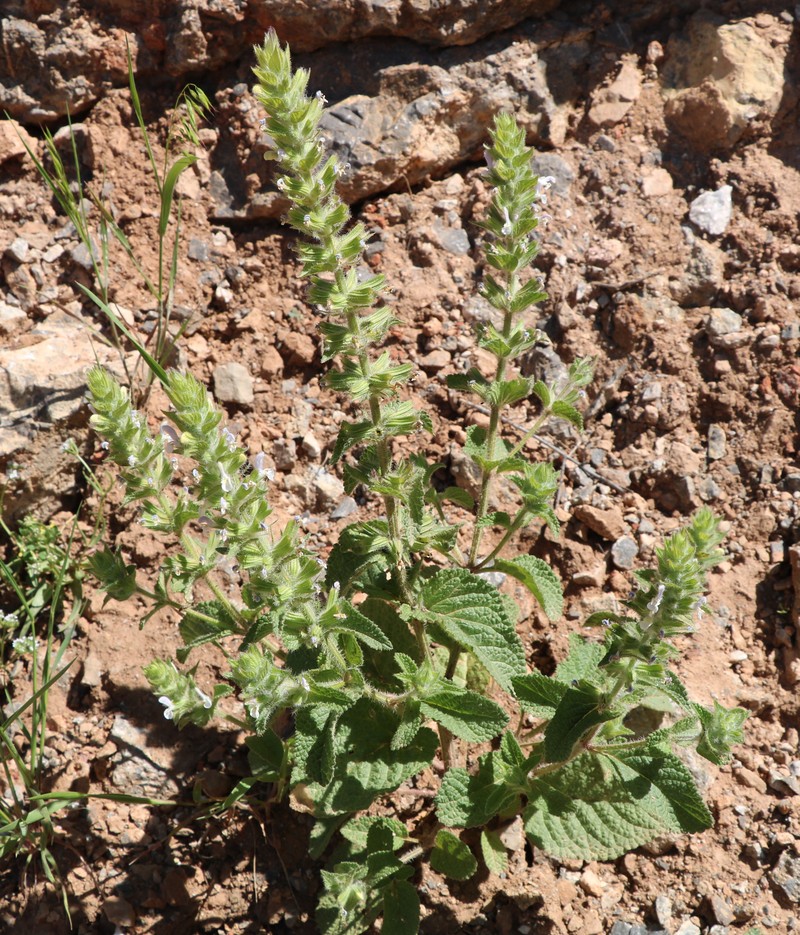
x=696, y=340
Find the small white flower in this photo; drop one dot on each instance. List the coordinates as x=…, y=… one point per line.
x=131, y=461
x=230, y=439
x=169, y=705
x=543, y=185
x=506, y=228
x=226, y=480
x=170, y=438
x=304, y=683
x=203, y=698
x=321, y=98
x=223, y=505
x=104, y=446
x=262, y=469
x=655, y=603
x=25, y=644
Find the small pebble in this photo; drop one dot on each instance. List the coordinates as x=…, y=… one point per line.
x=233, y=384
x=711, y=211
x=346, y=507
x=716, y=442
x=198, y=250
x=624, y=552
x=663, y=911
x=18, y=249
x=310, y=444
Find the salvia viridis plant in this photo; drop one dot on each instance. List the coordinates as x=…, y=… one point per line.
x=400, y=648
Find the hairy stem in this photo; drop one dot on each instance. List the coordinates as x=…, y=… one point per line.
x=491, y=439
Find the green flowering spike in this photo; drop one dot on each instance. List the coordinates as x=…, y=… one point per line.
x=146, y=469
x=721, y=730
x=265, y=689
x=184, y=703
x=514, y=214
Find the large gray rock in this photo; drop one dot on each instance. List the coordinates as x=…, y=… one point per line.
x=69, y=53
x=42, y=386
x=724, y=79
x=43, y=378
x=410, y=113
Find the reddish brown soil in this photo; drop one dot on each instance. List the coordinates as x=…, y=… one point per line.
x=615, y=263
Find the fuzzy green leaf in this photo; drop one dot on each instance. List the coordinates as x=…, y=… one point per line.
x=494, y=852
x=116, y=578
x=357, y=830
x=400, y=909
x=564, y=411
x=538, y=694
x=362, y=628
x=539, y=578
x=542, y=390
x=459, y=496
x=265, y=756
x=465, y=713
x=599, y=806
x=475, y=447
x=351, y=434
x=497, y=518
x=579, y=710
x=408, y=727
x=508, y=392
x=451, y=857
x=473, y=381
x=366, y=766
x=721, y=729
x=470, y=801
x=582, y=660
x=471, y=613
x=205, y=623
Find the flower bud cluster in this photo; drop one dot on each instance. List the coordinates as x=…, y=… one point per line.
x=266, y=689
x=309, y=180
x=667, y=602
x=146, y=470
x=184, y=703
x=513, y=217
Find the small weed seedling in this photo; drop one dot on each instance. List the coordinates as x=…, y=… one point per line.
x=398, y=648
x=86, y=207
x=43, y=582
